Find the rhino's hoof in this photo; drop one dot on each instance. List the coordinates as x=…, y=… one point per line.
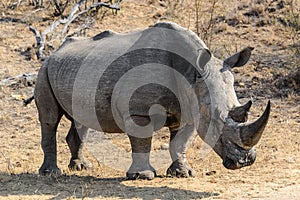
x=50, y=170
x=78, y=164
x=180, y=169
x=147, y=175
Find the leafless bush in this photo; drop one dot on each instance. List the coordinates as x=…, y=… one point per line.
x=205, y=22
x=293, y=21
x=76, y=13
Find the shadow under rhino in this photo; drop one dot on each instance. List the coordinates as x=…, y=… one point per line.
x=63, y=187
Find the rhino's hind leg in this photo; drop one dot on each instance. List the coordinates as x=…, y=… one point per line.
x=178, y=146
x=74, y=139
x=140, y=167
x=50, y=114
x=49, y=165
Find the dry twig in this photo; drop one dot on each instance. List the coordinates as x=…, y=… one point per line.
x=41, y=37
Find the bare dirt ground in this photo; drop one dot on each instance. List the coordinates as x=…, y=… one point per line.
x=262, y=24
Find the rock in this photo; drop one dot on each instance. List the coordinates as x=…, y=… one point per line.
x=241, y=84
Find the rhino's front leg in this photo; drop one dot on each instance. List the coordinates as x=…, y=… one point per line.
x=140, y=167
x=178, y=145
x=75, y=142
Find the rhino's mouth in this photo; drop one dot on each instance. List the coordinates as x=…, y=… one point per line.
x=233, y=164
x=243, y=159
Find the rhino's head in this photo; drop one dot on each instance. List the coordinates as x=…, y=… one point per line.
x=223, y=120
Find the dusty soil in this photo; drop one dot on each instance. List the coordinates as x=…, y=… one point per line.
x=262, y=24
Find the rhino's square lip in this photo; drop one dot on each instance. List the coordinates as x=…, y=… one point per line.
x=231, y=164
x=230, y=161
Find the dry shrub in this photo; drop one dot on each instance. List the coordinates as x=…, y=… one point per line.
x=205, y=12
x=292, y=21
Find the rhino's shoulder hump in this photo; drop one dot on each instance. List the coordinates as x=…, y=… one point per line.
x=104, y=34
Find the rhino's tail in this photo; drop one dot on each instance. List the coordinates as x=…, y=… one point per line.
x=28, y=101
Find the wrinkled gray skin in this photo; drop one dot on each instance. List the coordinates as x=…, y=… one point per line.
x=232, y=137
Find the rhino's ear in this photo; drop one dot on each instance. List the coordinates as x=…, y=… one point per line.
x=239, y=59
x=203, y=58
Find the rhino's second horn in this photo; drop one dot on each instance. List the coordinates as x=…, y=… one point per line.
x=240, y=114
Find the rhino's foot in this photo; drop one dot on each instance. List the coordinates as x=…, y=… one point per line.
x=147, y=175
x=180, y=169
x=49, y=170
x=79, y=164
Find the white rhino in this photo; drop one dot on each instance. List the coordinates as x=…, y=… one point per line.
x=139, y=82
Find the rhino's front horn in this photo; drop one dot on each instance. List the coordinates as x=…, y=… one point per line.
x=251, y=133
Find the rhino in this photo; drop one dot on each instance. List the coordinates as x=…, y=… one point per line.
x=137, y=83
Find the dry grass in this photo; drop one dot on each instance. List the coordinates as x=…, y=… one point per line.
x=275, y=174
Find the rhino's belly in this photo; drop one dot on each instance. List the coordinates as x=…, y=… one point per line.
x=88, y=110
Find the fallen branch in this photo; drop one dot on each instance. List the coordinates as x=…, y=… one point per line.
x=71, y=18
x=41, y=38
x=39, y=42
x=79, y=31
